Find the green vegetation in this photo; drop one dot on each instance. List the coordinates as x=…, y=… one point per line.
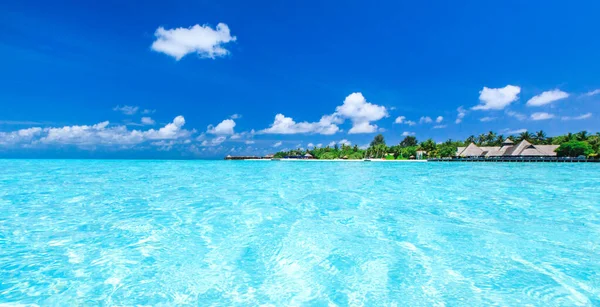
x=574, y=149
x=571, y=145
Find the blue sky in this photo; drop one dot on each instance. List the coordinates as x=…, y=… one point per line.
x=193, y=79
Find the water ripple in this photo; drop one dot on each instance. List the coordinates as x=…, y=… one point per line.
x=223, y=233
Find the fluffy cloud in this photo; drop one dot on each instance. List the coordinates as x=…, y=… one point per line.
x=580, y=117
x=277, y=144
x=407, y=133
x=85, y=136
x=362, y=127
x=487, y=119
x=223, y=128
x=425, y=120
x=439, y=119
x=248, y=142
x=235, y=116
x=361, y=113
x=127, y=110
x=203, y=40
x=403, y=120
x=20, y=136
x=286, y=125
x=439, y=126
x=148, y=121
x=310, y=145
x=497, y=98
x=355, y=108
x=541, y=116
x=546, y=98
x=461, y=114
x=148, y=111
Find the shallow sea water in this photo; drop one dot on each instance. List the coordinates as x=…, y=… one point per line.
x=239, y=233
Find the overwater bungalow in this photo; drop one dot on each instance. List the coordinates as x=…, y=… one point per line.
x=508, y=149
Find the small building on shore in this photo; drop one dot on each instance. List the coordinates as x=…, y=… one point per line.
x=508, y=149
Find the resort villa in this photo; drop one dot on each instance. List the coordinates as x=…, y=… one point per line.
x=508, y=149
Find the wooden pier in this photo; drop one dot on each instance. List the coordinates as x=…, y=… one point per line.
x=514, y=159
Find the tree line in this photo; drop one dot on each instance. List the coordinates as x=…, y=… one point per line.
x=570, y=145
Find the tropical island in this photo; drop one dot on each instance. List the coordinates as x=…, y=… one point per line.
x=580, y=144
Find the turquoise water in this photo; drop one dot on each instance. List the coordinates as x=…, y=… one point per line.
x=229, y=233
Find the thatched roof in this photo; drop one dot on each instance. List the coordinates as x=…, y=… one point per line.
x=471, y=151
x=508, y=141
x=523, y=148
x=547, y=149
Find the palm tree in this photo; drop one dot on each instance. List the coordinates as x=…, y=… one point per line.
x=470, y=139
x=499, y=140
x=525, y=136
x=491, y=136
x=569, y=136
x=582, y=135
x=540, y=137
x=481, y=139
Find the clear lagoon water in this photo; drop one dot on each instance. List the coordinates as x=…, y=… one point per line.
x=239, y=233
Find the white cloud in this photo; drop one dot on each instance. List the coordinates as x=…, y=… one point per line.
x=148, y=111
x=439, y=126
x=223, y=128
x=286, y=125
x=355, y=108
x=546, y=98
x=345, y=142
x=310, y=145
x=362, y=127
x=170, y=131
x=580, y=117
x=203, y=40
x=425, y=120
x=407, y=133
x=277, y=144
x=592, y=93
x=497, y=98
x=439, y=119
x=127, y=110
x=361, y=113
x=148, y=121
x=21, y=136
x=517, y=115
x=248, y=142
x=331, y=144
x=235, y=116
x=319, y=145
x=541, y=116
x=461, y=114
x=487, y=119
x=85, y=136
x=403, y=120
